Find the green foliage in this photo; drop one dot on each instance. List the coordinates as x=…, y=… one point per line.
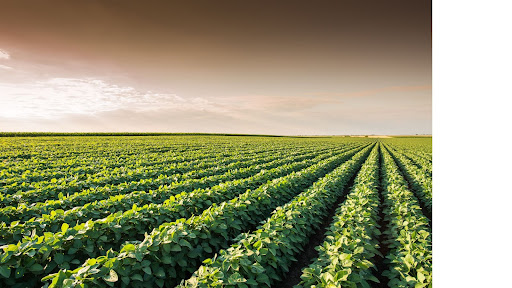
x=409, y=234
x=114, y=206
x=194, y=239
x=420, y=181
x=259, y=259
x=101, y=211
x=345, y=257
x=182, y=172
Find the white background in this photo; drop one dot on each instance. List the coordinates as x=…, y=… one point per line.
x=472, y=129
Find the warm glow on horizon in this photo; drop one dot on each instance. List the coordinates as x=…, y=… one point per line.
x=308, y=70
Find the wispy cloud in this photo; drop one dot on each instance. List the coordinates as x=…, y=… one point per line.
x=59, y=96
x=5, y=67
x=306, y=102
x=371, y=92
x=90, y=104
x=4, y=54
x=272, y=103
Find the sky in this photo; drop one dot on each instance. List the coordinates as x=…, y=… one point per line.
x=270, y=67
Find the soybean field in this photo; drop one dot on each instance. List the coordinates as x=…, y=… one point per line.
x=215, y=211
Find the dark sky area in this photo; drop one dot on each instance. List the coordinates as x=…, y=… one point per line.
x=283, y=67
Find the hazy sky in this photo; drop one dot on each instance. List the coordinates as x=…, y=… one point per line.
x=275, y=67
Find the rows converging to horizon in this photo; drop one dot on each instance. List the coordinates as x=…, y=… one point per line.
x=205, y=211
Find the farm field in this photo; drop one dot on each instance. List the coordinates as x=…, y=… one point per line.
x=215, y=211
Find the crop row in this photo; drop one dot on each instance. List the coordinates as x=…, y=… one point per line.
x=414, y=157
x=85, y=153
x=409, y=237
x=174, y=250
x=101, y=175
x=346, y=256
x=106, y=203
x=421, y=147
x=109, y=233
x=52, y=189
x=148, y=214
x=23, y=211
x=261, y=258
x=421, y=184
x=424, y=164
x=82, y=167
x=108, y=152
x=73, y=245
x=100, y=160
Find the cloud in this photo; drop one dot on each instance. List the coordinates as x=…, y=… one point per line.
x=4, y=54
x=5, y=67
x=56, y=97
x=299, y=104
x=276, y=103
x=338, y=121
x=371, y=92
x=90, y=104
